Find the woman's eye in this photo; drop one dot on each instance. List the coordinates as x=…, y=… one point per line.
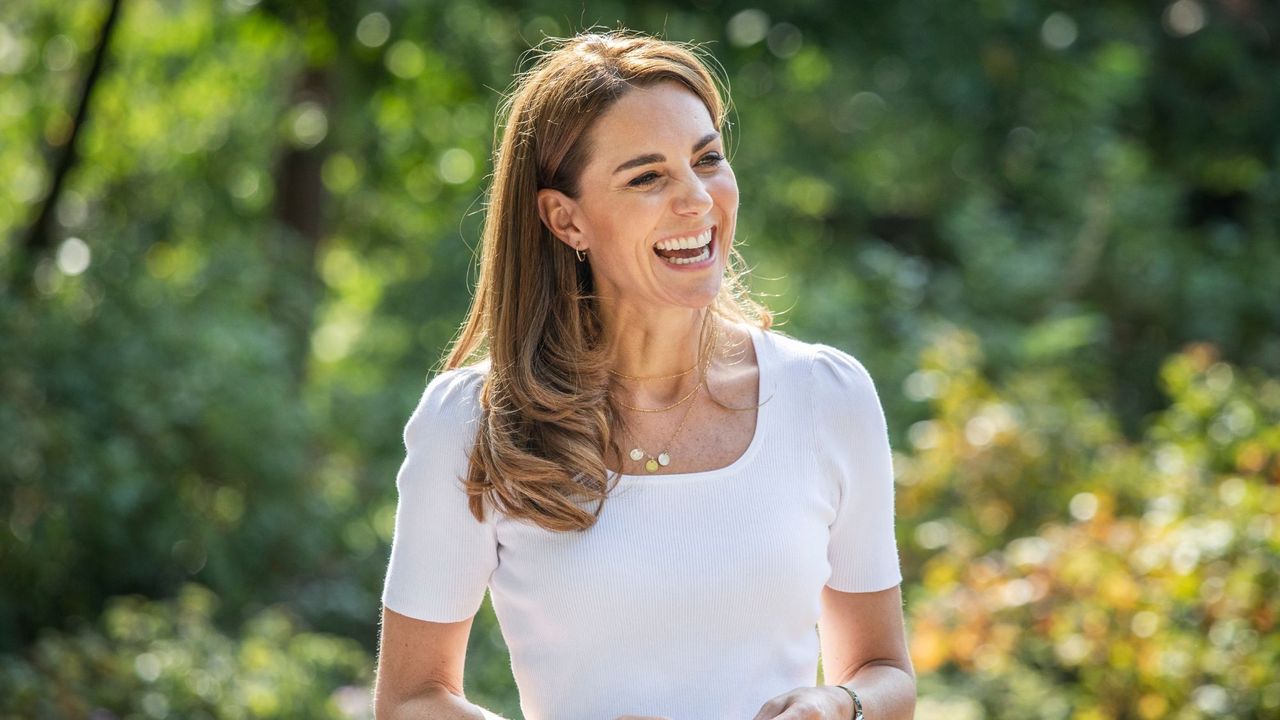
x=708, y=160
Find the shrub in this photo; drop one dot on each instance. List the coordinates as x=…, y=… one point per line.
x=1170, y=610
x=147, y=659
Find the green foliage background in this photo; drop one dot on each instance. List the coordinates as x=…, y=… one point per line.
x=1049, y=229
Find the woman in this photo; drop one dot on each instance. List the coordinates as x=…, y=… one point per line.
x=662, y=496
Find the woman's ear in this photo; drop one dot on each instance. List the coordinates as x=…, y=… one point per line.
x=559, y=213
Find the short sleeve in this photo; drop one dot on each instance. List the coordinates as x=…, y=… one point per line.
x=441, y=556
x=853, y=441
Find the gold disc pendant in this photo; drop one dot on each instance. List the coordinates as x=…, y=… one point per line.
x=651, y=465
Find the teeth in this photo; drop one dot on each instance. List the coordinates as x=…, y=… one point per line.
x=706, y=253
x=687, y=243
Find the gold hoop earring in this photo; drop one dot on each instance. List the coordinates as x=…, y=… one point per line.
x=581, y=256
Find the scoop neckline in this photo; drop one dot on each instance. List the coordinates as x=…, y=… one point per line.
x=758, y=342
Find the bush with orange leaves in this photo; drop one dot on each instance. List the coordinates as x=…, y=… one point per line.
x=1066, y=572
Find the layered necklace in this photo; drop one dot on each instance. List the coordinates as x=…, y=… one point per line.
x=653, y=461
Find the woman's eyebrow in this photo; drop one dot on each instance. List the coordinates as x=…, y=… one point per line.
x=656, y=157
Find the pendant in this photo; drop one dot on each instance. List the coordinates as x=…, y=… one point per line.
x=637, y=454
x=651, y=465
x=664, y=459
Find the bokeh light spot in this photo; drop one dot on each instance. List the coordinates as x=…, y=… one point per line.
x=979, y=431
x=28, y=183
x=147, y=667
x=924, y=434
x=59, y=53
x=933, y=534
x=747, y=27
x=73, y=256
x=1183, y=18
x=1145, y=623
x=1211, y=699
x=456, y=166
x=1058, y=31
x=405, y=60
x=1083, y=506
x=14, y=51
x=923, y=385
x=784, y=40
x=72, y=210
x=860, y=112
x=340, y=173
x=373, y=30
x=309, y=124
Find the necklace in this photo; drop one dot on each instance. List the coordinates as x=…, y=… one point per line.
x=682, y=373
x=663, y=457
x=705, y=361
x=654, y=377
x=672, y=406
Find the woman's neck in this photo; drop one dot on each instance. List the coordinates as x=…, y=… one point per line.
x=662, y=344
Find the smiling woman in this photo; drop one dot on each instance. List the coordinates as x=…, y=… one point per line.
x=662, y=495
x=650, y=223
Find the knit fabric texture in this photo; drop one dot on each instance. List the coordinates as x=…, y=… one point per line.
x=694, y=595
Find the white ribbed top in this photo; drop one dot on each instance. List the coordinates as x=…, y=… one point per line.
x=695, y=595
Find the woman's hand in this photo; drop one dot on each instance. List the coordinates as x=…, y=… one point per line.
x=825, y=702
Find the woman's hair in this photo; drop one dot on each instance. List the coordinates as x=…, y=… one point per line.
x=547, y=413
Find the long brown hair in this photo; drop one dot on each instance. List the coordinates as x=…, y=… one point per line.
x=541, y=450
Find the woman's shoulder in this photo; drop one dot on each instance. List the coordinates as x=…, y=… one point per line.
x=828, y=368
x=837, y=387
x=450, y=402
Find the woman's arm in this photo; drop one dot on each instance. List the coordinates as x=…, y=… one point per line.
x=864, y=646
x=419, y=673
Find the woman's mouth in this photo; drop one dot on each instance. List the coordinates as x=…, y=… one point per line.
x=690, y=250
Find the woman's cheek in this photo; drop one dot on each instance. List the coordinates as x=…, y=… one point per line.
x=726, y=189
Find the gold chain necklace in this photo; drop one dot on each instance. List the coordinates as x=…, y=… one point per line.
x=672, y=406
x=682, y=373
x=663, y=456
x=654, y=377
x=705, y=360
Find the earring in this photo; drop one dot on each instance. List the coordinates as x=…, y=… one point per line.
x=581, y=256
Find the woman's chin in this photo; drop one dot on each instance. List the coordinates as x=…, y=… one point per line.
x=699, y=297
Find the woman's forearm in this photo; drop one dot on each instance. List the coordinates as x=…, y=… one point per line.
x=887, y=692
x=437, y=704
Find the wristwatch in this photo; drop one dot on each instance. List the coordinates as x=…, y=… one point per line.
x=857, y=702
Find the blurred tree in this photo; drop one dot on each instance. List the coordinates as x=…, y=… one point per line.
x=268, y=238
x=38, y=236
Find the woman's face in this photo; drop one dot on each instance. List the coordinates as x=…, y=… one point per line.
x=657, y=201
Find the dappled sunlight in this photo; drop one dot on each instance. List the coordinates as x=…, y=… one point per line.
x=1047, y=231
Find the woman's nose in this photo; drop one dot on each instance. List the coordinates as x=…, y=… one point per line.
x=693, y=197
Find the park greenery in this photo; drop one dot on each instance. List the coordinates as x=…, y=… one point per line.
x=1050, y=230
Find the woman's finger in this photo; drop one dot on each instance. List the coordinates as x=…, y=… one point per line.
x=811, y=703
x=773, y=707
